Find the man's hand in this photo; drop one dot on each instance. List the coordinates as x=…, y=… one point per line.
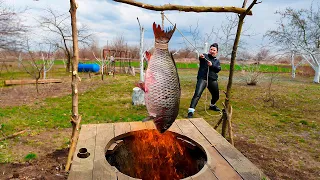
x=201, y=56
x=209, y=63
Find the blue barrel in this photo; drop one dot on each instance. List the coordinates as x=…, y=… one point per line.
x=88, y=67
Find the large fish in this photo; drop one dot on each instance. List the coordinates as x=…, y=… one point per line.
x=162, y=86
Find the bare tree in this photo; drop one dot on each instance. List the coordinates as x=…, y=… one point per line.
x=244, y=56
x=262, y=55
x=47, y=62
x=29, y=62
x=226, y=35
x=102, y=62
x=11, y=28
x=118, y=43
x=299, y=30
x=59, y=29
x=199, y=39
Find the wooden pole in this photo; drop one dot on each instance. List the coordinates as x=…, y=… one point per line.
x=73, y=145
x=232, y=63
x=229, y=116
x=141, y=51
x=75, y=120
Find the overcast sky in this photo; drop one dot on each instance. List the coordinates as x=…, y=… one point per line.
x=108, y=19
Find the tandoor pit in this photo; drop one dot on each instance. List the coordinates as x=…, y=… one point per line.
x=147, y=154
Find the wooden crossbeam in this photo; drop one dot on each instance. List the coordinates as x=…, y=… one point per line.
x=174, y=7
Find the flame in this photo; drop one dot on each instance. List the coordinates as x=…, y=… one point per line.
x=159, y=156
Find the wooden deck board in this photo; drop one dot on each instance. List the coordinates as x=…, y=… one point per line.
x=174, y=128
x=82, y=167
x=150, y=125
x=138, y=125
x=121, y=128
x=102, y=169
x=239, y=162
x=216, y=163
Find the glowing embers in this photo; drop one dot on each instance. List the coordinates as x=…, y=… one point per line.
x=147, y=154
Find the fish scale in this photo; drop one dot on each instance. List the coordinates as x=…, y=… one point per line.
x=162, y=86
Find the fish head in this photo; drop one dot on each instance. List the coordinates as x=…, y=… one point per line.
x=163, y=123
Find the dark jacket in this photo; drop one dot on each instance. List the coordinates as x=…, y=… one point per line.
x=213, y=70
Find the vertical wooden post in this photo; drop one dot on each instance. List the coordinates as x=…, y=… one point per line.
x=232, y=63
x=75, y=118
x=141, y=51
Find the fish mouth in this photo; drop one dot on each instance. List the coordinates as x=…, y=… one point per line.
x=162, y=128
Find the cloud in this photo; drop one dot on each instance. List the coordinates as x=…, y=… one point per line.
x=109, y=19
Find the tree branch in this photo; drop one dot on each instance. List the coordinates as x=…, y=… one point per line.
x=172, y=7
x=248, y=10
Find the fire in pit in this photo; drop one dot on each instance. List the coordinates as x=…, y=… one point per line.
x=147, y=154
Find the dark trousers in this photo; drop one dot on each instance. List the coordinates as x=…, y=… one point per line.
x=201, y=85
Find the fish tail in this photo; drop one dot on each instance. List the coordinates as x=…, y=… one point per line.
x=162, y=36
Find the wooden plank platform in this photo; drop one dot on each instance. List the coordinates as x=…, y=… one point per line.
x=28, y=81
x=224, y=162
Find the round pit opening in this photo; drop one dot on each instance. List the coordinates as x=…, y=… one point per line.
x=147, y=154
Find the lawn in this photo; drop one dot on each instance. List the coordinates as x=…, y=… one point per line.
x=276, y=125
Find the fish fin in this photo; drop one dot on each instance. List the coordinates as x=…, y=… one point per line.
x=148, y=55
x=149, y=118
x=162, y=36
x=141, y=85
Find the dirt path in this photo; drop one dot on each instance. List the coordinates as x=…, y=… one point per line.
x=27, y=94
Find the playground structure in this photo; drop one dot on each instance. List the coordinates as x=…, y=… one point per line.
x=124, y=57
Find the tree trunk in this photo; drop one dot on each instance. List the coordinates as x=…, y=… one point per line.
x=44, y=72
x=316, y=74
x=293, y=69
x=68, y=65
x=293, y=73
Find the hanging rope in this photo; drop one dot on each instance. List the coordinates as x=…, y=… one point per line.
x=182, y=34
x=162, y=18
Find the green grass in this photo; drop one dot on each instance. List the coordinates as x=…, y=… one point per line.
x=30, y=156
x=261, y=67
